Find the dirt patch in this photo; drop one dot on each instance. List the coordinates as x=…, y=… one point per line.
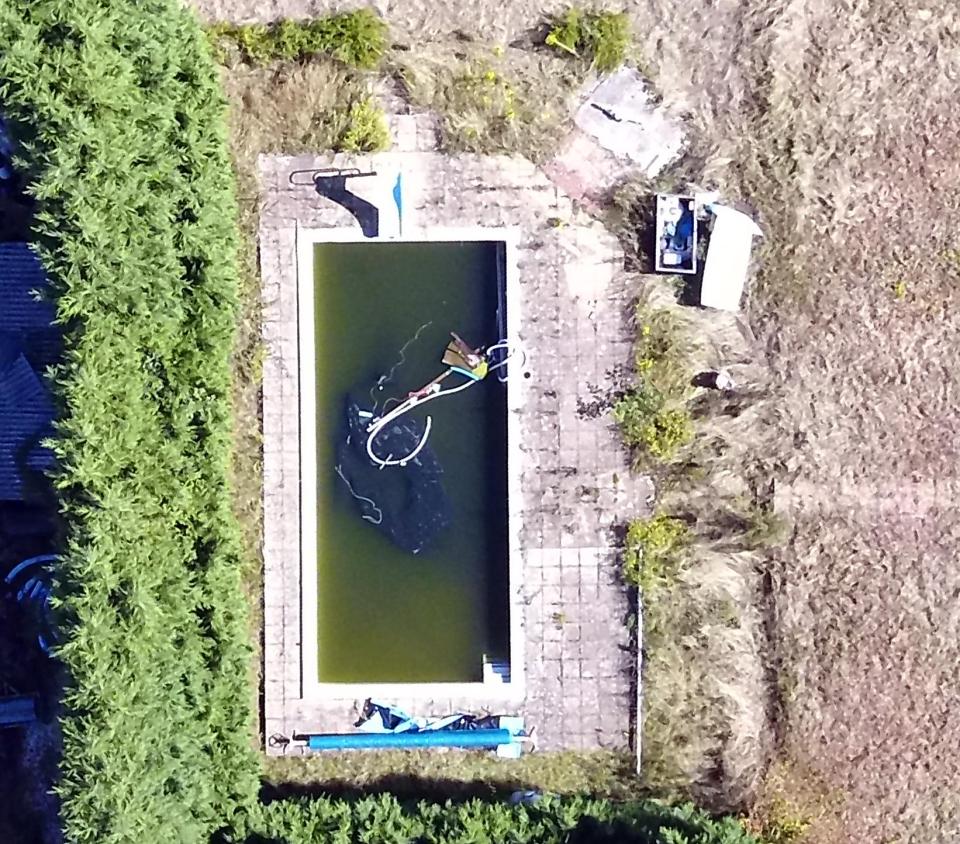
x=838, y=127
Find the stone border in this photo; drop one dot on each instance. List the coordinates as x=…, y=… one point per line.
x=573, y=475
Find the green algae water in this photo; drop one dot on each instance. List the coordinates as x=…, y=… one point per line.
x=386, y=615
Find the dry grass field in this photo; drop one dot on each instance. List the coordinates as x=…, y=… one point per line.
x=838, y=126
x=837, y=123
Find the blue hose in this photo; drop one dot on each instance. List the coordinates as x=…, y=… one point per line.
x=428, y=738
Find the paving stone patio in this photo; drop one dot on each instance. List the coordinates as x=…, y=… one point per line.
x=574, y=476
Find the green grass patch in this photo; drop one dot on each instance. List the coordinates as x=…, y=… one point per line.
x=601, y=38
x=482, y=109
x=491, y=102
x=121, y=118
x=485, y=113
x=458, y=775
x=357, y=38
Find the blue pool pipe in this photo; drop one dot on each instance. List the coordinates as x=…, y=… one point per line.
x=17, y=711
x=28, y=563
x=407, y=740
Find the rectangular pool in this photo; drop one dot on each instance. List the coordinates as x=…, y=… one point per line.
x=405, y=569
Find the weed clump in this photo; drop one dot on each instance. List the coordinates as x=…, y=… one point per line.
x=366, y=129
x=357, y=38
x=654, y=552
x=600, y=38
x=782, y=830
x=649, y=425
x=482, y=109
x=484, y=116
x=491, y=101
x=693, y=562
x=652, y=415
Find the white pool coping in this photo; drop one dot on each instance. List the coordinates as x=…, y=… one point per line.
x=311, y=687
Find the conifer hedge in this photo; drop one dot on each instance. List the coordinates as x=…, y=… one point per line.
x=120, y=118
x=385, y=820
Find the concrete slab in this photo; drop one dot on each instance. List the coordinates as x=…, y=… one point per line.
x=620, y=132
x=621, y=114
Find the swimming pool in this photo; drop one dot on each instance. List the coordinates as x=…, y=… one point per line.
x=406, y=575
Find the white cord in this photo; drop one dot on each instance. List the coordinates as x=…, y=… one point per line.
x=512, y=351
x=370, y=501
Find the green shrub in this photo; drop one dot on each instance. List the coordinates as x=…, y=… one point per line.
x=357, y=38
x=551, y=821
x=602, y=38
x=649, y=425
x=366, y=128
x=661, y=353
x=257, y=43
x=652, y=415
x=121, y=119
x=654, y=552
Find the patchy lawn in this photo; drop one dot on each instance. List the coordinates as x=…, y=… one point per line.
x=454, y=774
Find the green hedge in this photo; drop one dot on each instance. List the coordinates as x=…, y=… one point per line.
x=118, y=108
x=384, y=820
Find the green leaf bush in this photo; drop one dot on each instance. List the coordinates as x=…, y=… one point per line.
x=653, y=415
x=649, y=425
x=654, y=552
x=366, y=128
x=120, y=119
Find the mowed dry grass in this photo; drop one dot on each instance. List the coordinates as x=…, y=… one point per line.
x=837, y=122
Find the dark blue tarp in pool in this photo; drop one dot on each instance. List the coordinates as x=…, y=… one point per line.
x=407, y=503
